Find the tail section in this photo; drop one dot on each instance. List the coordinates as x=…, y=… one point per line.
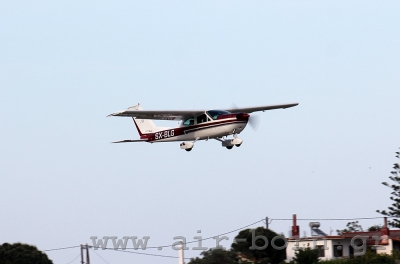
x=144, y=126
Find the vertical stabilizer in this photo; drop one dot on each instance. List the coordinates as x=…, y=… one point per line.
x=144, y=126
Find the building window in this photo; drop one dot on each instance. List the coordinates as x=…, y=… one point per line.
x=338, y=251
x=321, y=251
x=351, y=251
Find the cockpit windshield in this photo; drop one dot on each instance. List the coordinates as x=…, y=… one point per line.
x=214, y=114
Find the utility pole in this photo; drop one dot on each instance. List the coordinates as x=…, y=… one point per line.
x=87, y=254
x=82, y=255
x=266, y=222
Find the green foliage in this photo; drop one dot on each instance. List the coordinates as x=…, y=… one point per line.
x=396, y=254
x=267, y=255
x=22, y=253
x=394, y=210
x=375, y=228
x=306, y=256
x=355, y=227
x=369, y=258
x=350, y=227
x=216, y=256
x=336, y=261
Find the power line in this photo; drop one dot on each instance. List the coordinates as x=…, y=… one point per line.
x=262, y=220
x=74, y=259
x=332, y=219
x=170, y=244
x=99, y=256
x=61, y=248
x=140, y=253
x=206, y=237
x=158, y=247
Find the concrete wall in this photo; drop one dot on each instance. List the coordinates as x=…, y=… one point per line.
x=329, y=244
x=386, y=249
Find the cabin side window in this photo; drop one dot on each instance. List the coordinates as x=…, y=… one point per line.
x=202, y=118
x=189, y=122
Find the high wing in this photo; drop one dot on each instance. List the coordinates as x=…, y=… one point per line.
x=159, y=114
x=184, y=114
x=259, y=108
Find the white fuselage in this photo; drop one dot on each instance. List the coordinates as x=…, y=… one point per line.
x=206, y=131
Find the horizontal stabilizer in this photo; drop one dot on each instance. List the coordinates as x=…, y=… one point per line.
x=130, y=140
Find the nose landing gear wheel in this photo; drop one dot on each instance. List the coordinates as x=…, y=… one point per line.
x=238, y=145
x=188, y=149
x=229, y=147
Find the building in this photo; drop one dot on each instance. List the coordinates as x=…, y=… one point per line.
x=344, y=245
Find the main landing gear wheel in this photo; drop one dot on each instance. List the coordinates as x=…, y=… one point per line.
x=188, y=146
x=229, y=147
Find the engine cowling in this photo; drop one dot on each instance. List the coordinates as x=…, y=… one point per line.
x=187, y=145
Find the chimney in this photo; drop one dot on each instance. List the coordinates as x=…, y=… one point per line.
x=295, y=227
x=385, y=232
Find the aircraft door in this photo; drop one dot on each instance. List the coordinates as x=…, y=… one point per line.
x=202, y=118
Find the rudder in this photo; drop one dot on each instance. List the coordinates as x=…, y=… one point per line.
x=144, y=126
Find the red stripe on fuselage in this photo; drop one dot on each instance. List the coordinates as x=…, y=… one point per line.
x=174, y=132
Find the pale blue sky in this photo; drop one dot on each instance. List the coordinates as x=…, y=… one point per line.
x=66, y=65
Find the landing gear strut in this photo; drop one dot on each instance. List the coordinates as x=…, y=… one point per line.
x=229, y=143
x=187, y=145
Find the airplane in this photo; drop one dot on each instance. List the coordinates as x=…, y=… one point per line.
x=196, y=124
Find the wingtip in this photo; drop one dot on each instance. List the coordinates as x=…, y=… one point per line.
x=292, y=105
x=116, y=113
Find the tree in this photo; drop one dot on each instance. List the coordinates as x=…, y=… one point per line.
x=355, y=227
x=267, y=255
x=216, y=256
x=306, y=256
x=394, y=210
x=22, y=253
x=375, y=228
x=350, y=227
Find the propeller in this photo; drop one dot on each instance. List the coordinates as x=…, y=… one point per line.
x=254, y=120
